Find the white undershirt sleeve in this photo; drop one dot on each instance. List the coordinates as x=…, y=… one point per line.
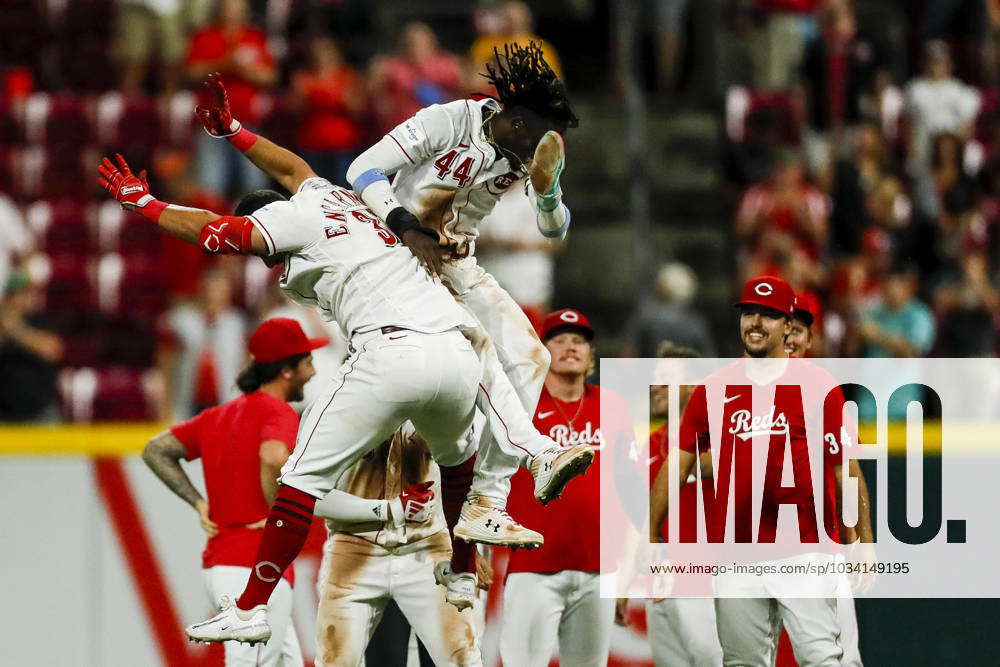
x=347, y=508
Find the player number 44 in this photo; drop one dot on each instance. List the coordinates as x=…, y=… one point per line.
x=462, y=174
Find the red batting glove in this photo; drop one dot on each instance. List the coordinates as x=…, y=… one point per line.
x=217, y=118
x=131, y=191
x=413, y=504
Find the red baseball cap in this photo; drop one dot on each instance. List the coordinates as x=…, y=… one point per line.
x=280, y=338
x=806, y=307
x=567, y=318
x=770, y=292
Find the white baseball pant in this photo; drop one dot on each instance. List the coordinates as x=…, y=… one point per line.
x=564, y=608
x=521, y=356
x=682, y=631
x=749, y=627
x=282, y=650
x=358, y=578
x=388, y=378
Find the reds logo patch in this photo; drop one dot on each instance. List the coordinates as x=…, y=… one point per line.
x=504, y=181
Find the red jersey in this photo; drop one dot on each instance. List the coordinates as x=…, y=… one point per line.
x=227, y=439
x=786, y=405
x=328, y=124
x=249, y=45
x=570, y=524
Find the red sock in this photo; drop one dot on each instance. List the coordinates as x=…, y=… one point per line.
x=284, y=534
x=455, y=483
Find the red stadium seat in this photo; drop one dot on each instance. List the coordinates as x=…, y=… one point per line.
x=38, y=172
x=59, y=226
x=116, y=230
x=67, y=282
x=130, y=285
x=127, y=125
x=742, y=103
x=105, y=394
x=54, y=121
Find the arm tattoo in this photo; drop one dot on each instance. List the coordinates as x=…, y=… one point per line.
x=163, y=455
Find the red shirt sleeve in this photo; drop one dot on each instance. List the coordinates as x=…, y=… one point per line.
x=694, y=421
x=189, y=434
x=282, y=425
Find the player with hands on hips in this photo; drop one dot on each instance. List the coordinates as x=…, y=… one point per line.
x=339, y=258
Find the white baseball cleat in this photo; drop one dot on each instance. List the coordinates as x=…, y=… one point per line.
x=233, y=624
x=483, y=523
x=460, y=589
x=546, y=168
x=556, y=466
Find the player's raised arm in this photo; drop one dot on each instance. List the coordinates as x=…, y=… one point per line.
x=279, y=163
x=216, y=234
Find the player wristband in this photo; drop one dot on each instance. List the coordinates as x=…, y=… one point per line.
x=243, y=140
x=401, y=221
x=154, y=209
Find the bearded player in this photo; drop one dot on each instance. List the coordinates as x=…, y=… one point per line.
x=552, y=596
x=451, y=163
x=749, y=626
x=410, y=360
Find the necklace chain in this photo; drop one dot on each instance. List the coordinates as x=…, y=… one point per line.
x=579, y=409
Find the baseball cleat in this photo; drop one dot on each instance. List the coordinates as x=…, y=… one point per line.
x=482, y=523
x=460, y=588
x=233, y=624
x=556, y=466
x=546, y=168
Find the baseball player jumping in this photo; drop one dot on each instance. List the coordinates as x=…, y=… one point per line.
x=409, y=358
x=451, y=163
x=749, y=626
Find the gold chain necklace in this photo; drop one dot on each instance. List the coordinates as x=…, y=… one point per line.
x=579, y=409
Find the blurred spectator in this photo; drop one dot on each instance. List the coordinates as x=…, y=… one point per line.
x=149, y=30
x=512, y=251
x=937, y=103
x=750, y=161
x=668, y=314
x=899, y=325
x=202, y=349
x=780, y=216
x=238, y=50
x=330, y=98
x=29, y=354
x=961, y=225
x=17, y=241
x=786, y=27
x=419, y=75
x=839, y=68
x=172, y=174
x=512, y=23
x=855, y=177
x=962, y=23
x=965, y=305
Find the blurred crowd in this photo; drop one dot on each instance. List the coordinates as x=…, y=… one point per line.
x=862, y=158
x=102, y=315
x=874, y=188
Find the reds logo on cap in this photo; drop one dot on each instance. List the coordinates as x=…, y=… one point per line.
x=567, y=318
x=770, y=292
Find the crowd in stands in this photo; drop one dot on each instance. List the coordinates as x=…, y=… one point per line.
x=871, y=186
x=114, y=319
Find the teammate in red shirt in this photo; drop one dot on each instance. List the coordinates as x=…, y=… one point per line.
x=552, y=594
x=242, y=445
x=748, y=625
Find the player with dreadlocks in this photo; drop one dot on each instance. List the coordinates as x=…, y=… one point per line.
x=450, y=164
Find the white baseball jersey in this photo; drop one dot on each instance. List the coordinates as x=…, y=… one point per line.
x=340, y=259
x=451, y=176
